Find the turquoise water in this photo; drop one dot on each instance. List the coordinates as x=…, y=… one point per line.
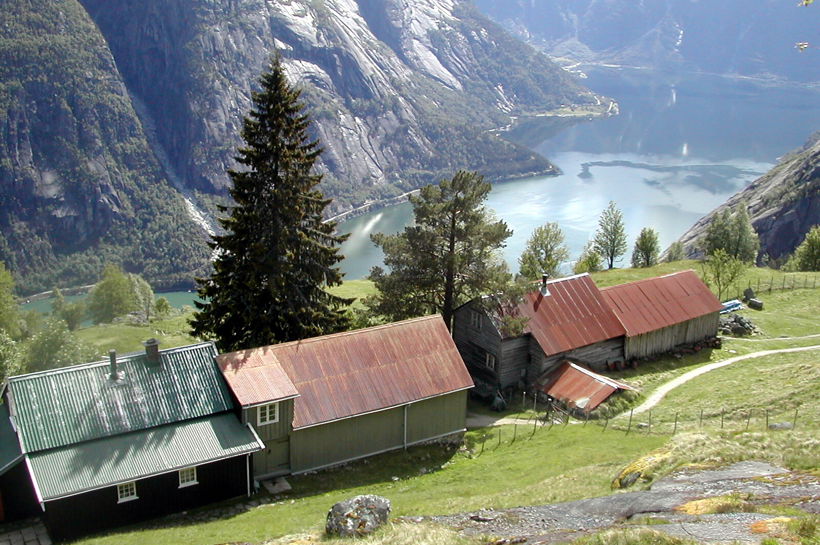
x=679, y=148
x=178, y=299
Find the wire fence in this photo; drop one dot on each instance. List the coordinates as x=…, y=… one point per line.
x=553, y=419
x=788, y=281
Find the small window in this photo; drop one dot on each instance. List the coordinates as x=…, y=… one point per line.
x=268, y=414
x=490, y=361
x=187, y=477
x=475, y=319
x=126, y=492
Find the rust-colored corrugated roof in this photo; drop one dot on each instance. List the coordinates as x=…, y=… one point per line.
x=579, y=387
x=253, y=379
x=573, y=315
x=654, y=303
x=357, y=372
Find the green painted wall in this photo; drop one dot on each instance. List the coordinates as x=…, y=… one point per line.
x=275, y=459
x=437, y=416
x=365, y=435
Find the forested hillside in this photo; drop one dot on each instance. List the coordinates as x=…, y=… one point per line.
x=79, y=185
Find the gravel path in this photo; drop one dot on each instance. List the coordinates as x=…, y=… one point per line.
x=659, y=394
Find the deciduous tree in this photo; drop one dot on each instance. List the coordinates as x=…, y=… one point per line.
x=807, y=255
x=675, y=252
x=734, y=234
x=610, y=238
x=9, y=315
x=722, y=271
x=277, y=256
x=55, y=346
x=112, y=296
x=544, y=252
x=589, y=260
x=450, y=255
x=647, y=248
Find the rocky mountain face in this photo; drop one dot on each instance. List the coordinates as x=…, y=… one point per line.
x=401, y=93
x=783, y=204
x=729, y=37
x=119, y=119
x=78, y=182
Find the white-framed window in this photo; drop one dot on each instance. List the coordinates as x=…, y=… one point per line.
x=187, y=477
x=127, y=492
x=489, y=361
x=475, y=319
x=267, y=414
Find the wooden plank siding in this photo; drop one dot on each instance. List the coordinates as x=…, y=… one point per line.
x=275, y=458
x=474, y=343
x=515, y=357
x=667, y=338
x=74, y=516
x=595, y=356
x=338, y=442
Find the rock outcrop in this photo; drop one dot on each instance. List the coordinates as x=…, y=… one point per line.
x=783, y=204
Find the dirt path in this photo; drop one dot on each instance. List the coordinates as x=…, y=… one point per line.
x=771, y=338
x=659, y=394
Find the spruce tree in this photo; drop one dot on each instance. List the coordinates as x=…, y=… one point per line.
x=277, y=256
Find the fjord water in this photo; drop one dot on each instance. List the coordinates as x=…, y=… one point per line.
x=680, y=147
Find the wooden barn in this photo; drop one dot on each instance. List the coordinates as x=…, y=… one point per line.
x=99, y=445
x=328, y=400
x=566, y=318
x=664, y=312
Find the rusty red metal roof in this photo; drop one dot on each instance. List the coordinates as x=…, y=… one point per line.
x=573, y=315
x=579, y=387
x=654, y=303
x=357, y=372
x=253, y=379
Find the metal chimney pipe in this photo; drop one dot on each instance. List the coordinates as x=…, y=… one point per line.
x=544, y=290
x=152, y=351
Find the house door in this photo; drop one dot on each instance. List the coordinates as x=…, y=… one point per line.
x=275, y=459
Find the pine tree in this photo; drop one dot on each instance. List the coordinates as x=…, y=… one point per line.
x=544, y=252
x=610, y=238
x=277, y=255
x=450, y=255
x=647, y=248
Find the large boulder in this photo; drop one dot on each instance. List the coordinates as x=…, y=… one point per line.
x=357, y=516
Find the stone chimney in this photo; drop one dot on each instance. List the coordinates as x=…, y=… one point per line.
x=113, y=371
x=152, y=352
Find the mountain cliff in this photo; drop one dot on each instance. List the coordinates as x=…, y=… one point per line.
x=783, y=204
x=401, y=93
x=78, y=183
x=119, y=119
x=728, y=37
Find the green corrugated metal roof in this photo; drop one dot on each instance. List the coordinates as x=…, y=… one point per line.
x=9, y=446
x=112, y=460
x=80, y=403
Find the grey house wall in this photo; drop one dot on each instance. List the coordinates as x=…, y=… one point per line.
x=665, y=339
x=357, y=437
x=474, y=343
x=275, y=458
x=595, y=356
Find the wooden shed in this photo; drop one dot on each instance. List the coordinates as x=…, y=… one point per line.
x=116, y=442
x=664, y=312
x=328, y=400
x=566, y=318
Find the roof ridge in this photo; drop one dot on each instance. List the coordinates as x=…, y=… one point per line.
x=339, y=334
x=97, y=363
x=649, y=279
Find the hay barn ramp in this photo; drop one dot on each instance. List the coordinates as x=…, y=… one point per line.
x=664, y=312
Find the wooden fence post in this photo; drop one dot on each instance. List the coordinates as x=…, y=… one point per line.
x=499, y=437
x=649, y=429
x=515, y=431
x=483, y=440
x=794, y=420
x=675, y=429
x=722, y=411
x=700, y=422
x=629, y=426
x=771, y=283
x=767, y=419
x=748, y=418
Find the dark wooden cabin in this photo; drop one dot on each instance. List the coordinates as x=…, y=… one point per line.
x=113, y=443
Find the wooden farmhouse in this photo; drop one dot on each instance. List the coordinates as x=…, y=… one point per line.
x=664, y=312
x=94, y=446
x=570, y=319
x=332, y=399
x=566, y=318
